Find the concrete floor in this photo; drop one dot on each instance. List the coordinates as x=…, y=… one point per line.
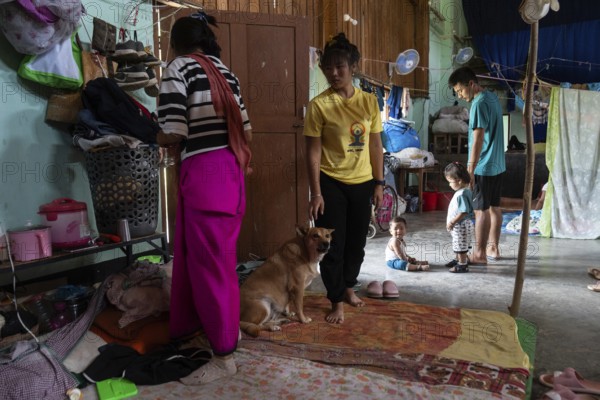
x=555, y=296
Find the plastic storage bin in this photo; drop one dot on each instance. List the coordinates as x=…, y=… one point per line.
x=429, y=201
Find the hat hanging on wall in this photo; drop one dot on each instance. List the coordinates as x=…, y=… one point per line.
x=463, y=56
x=406, y=62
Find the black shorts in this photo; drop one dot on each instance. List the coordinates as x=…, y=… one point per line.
x=486, y=191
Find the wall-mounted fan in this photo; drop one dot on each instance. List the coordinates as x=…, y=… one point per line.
x=406, y=62
x=463, y=56
x=533, y=10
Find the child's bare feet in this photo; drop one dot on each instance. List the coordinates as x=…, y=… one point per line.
x=418, y=266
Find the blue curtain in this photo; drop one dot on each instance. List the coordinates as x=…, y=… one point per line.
x=500, y=36
x=508, y=50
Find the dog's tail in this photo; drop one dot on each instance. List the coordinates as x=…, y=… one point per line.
x=250, y=328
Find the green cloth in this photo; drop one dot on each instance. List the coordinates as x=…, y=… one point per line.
x=527, y=334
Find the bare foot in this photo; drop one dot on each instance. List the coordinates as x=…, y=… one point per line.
x=493, y=252
x=353, y=299
x=476, y=259
x=336, y=316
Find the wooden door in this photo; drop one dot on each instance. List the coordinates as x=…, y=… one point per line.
x=269, y=55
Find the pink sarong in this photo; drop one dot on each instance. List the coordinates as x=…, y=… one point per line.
x=205, y=292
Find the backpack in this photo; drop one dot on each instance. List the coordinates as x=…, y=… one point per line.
x=112, y=105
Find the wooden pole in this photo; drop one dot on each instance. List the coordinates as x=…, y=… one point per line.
x=529, y=170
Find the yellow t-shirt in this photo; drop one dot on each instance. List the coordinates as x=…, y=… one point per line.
x=344, y=126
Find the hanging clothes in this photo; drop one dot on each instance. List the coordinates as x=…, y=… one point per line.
x=394, y=102
x=368, y=87
x=541, y=101
x=380, y=93
x=406, y=104
x=572, y=202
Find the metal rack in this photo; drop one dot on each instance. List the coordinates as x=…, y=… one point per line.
x=31, y=270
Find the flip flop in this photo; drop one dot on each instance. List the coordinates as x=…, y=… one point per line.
x=390, y=290
x=562, y=393
x=595, y=287
x=375, y=290
x=570, y=379
x=594, y=272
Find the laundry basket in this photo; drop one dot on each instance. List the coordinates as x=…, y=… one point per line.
x=124, y=184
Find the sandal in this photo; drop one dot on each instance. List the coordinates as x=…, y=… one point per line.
x=375, y=290
x=572, y=380
x=452, y=263
x=594, y=273
x=459, y=268
x=595, y=287
x=390, y=290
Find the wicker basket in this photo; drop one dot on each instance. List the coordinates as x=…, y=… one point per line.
x=124, y=184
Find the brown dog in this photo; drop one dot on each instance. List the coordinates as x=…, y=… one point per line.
x=280, y=281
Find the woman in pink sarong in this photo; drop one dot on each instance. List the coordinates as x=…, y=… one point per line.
x=201, y=111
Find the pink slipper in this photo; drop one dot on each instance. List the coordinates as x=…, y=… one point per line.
x=390, y=290
x=571, y=380
x=375, y=290
x=562, y=393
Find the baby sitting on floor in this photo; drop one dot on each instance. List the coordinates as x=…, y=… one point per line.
x=395, y=251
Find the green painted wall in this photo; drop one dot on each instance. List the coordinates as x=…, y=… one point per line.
x=38, y=163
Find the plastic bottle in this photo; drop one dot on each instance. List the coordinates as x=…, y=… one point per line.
x=41, y=309
x=61, y=317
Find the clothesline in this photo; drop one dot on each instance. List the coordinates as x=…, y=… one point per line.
x=539, y=82
x=387, y=86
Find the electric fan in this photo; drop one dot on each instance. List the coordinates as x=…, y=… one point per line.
x=463, y=56
x=406, y=62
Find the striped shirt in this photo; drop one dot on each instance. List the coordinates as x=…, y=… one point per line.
x=185, y=106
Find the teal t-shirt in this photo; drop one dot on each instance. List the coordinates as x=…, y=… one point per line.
x=486, y=113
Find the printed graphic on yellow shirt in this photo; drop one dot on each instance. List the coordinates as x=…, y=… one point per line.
x=357, y=131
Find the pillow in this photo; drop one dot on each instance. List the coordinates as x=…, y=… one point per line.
x=108, y=321
x=449, y=125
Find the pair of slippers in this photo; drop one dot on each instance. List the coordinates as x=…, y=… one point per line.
x=377, y=290
x=567, y=384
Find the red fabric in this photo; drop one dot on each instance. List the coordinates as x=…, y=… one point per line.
x=226, y=106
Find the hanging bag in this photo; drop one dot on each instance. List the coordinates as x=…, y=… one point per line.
x=34, y=27
x=104, y=37
x=65, y=107
x=59, y=67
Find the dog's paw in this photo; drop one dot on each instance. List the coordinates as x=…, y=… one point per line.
x=305, y=320
x=275, y=328
x=290, y=314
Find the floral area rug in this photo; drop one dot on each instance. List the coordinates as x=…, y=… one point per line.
x=437, y=346
x=275, y=377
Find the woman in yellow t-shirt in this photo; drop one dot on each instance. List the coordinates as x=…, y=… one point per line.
x=345, y=170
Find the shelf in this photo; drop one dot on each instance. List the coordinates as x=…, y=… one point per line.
x=450, y=143
x=30, y=270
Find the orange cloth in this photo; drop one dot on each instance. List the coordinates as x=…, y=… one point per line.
x=226, y=106
x=143, y=335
